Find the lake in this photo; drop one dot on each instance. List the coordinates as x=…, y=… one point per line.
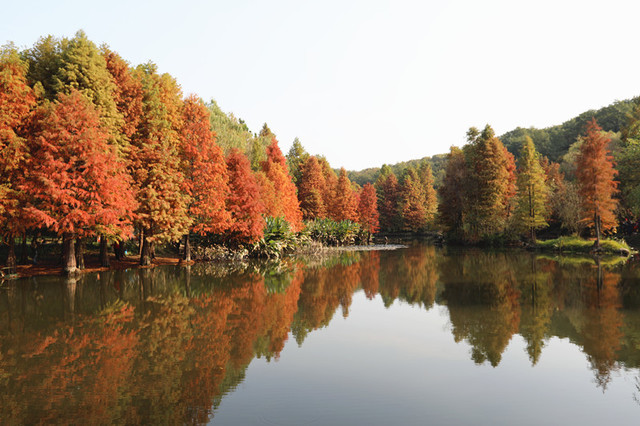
x=420, y=335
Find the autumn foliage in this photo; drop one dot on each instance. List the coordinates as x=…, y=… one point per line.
x=595, y=173
x=244, y=201
x=368, y=209
x=17, y=101
x=344, y=204
x=206, y=180
x=76, y=182
x=280, y=198
x=311, y=188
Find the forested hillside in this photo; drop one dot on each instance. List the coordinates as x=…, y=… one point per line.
x=551, y=142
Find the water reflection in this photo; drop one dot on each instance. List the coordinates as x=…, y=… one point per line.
x=165, y=345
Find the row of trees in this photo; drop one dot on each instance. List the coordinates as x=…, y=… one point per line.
x=485, y=196
x=94, y=148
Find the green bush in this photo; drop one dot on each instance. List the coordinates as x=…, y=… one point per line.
x=330, y=232
x=278, y=239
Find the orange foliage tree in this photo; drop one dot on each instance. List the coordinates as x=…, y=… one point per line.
x=368, y=209
x=127, y=93
x=206, y=180
x=128, y=97
x=330, y=182
x=244, y=203
x=344, y=206
x=311, y=190
x=490, y=184
x=280, y=197
x=16, y=103
x=76, y=184
x=155, y=163
x=595, y=173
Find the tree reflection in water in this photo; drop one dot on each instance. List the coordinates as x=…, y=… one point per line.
x=164, y=345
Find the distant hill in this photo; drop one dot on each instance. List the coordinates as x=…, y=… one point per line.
x=370, y=175
x=552, y=142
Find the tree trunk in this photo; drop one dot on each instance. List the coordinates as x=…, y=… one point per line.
x=24, y=255
x=597, y=222
x=69, y=253
x=11, y=257
x=140, y=242
x=533, y=235
x=70, y=288
x=34, y=246
x=104, y=252
x=187, y=280
x=120, y=250
x=187, y=249
x=80, y=253
x=145, y=252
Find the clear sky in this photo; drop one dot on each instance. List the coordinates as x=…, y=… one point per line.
x=368, y=82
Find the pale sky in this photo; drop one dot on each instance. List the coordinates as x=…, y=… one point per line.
x=368, y=82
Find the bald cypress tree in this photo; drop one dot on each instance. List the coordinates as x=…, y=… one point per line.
x=597, y=186
x=17, y=101
x=344, y=205
x=453, y=192
x=489, y=186
x=532, y=193
x=311, y=187
x=155, y=163
x=388, y=190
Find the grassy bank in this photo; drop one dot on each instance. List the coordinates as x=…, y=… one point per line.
x=580, y=245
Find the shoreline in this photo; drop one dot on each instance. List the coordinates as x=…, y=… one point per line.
x=92, y=262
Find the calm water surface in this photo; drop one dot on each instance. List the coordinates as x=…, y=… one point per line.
x=414, y=336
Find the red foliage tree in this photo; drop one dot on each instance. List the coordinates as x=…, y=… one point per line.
x=76, y=184
x=244, y=204
x=595, y=173
x=16, y=103
x=206, y=180
x=368, y=209
x=284, y=200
